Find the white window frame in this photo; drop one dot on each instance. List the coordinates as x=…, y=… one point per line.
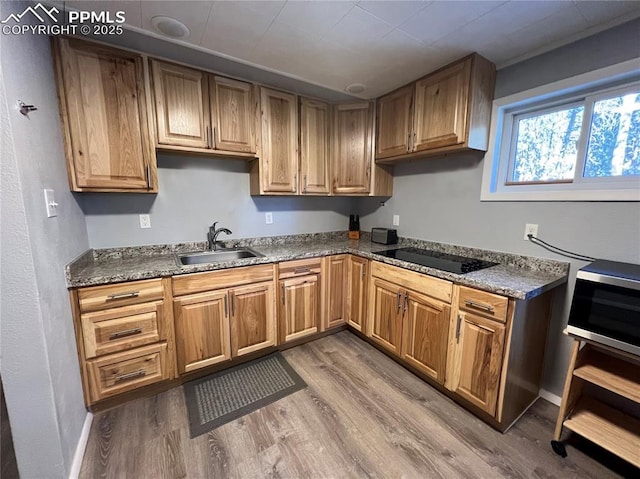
x=546, y=97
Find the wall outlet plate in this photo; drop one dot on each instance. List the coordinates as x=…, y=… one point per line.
x=50, y=203
x=268, y=218
x=396, y=220
x=530, y=229
x=145, y=221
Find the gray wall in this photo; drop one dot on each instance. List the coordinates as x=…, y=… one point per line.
x=195, y=192
x=439, y=199
x=39, y=362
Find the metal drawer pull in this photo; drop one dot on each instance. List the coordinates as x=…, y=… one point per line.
x=125, y=333
x=132, y=375
x=404, y=305
x=283, y=296
x=458, y=329
x=482, y=306
x=300, y=270
x=398, y=301
x=130, y=294
x=149, y=179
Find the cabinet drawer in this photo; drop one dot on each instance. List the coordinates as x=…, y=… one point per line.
x=291, y=269
x=112, y=295
x=226, y=278
x=486, y=304
x=119, y=329
x=122, y=372
x=421, y=283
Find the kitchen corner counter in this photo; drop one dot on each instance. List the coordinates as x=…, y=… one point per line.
x=516, y=276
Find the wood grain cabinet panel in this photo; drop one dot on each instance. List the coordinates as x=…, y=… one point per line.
x=352, y=159
x=279, y=159
x=385, y=326
x=182, y=105
x=232, y=107
x=335, y=280
x=394, y=125
x=478, y=360
x=103, y=108
x=426, y=334
x=357, y=292
x=299, y=307
x=441, y=106
x=314, y=147
x=202, y=330
x=253, y=325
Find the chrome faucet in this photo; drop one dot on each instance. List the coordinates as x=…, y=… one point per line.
x=213, y=233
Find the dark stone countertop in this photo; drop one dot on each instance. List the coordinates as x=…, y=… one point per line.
x=516, y=276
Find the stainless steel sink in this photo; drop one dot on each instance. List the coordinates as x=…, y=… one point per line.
x=218, y=256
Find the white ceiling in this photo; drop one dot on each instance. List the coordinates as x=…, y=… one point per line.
x=382, y=44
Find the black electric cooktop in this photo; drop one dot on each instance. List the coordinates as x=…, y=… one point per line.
x=434, y=259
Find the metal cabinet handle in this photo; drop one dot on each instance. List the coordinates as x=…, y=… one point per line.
x=149, y=179
x=404, y=306
x=282, y=293
x=302, y=269
x=128, y=294
x=458, y=328
x=295, y=182
x=485, y=307
x=304, y=185
x=213, y=138
x=125, y=333
x=409, y=147
x=132, y=375
x=398, y=301
x=413, y=145
x=226, y=307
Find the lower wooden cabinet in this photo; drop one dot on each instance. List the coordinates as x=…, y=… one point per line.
x=425, y=334
x=253, y=324
x=202, y=330
x=334, y=276
x=386, y=317
x=477, y=360
x=357, y=289
x=299, y=307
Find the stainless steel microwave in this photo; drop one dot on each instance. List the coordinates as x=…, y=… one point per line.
x=606, y=305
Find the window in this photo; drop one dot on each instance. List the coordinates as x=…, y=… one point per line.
x=559, y=143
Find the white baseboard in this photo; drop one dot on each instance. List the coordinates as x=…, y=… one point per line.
x=549, y=396
x=80, y=448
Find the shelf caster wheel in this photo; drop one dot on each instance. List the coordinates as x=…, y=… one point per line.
x=559, y=448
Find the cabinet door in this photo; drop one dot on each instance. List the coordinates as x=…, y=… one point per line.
x=232, y=106
x=202, y=330
x=386, y=317
x=394, y=125
x=299, y=307
x=335, y=276
x=478, y=360
x=441, y=108
x=314, y=147
x=357, y=292
x=104, y=111
x=182, y=106
x=252, y=318
x=352, y=156
x=279, y=159
x=426, y=335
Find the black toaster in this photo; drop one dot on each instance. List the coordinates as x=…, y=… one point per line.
x=384, y=236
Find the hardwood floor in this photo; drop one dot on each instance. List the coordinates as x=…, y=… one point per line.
x=362, y=415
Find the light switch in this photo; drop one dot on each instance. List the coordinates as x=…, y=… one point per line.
x=396, y=220
x=50, y=203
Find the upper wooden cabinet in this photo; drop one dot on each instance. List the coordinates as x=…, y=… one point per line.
x=444, y=112
x=394, y=123
x=315, y=123
x=103, y=107
x=211, y=114
x=353, y=140
x=276, y=172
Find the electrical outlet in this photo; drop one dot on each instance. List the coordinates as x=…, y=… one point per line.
x=530, y=229
x=396, y=220
x=268, y=218
x=50, y=203
x=145, y=221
